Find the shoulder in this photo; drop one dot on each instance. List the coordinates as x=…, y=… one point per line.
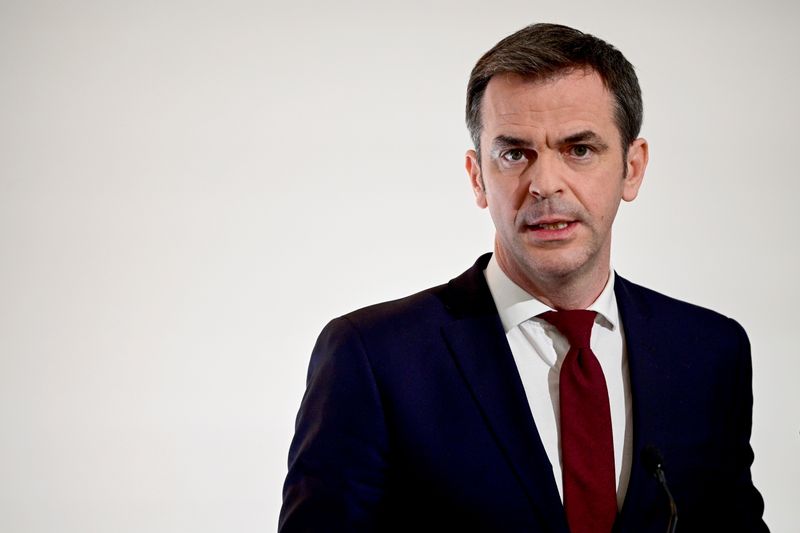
x=392, y=324
x=412, y=308
x=674, y=315
x=426, y=311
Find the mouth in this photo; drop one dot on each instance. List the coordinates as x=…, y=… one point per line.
x=550, y=226
x=552, y=230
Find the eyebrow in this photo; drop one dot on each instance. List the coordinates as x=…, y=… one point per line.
x=584, y=136
x=509, y=141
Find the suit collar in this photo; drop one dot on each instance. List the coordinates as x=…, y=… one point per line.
x=468, y=295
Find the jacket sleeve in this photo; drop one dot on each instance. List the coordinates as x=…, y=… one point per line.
x=338, y=457
x=746, y=506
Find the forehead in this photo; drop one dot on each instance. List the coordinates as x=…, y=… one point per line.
x=577, y=100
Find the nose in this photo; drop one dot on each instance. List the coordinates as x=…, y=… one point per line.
x=545, y=176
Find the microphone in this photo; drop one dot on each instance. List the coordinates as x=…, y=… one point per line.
x=653, y=463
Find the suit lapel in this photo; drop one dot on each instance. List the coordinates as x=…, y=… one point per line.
x=479, y=347
x=650, y=397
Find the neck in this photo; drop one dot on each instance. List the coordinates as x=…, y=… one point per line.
x=574, y=290
x=574, y=295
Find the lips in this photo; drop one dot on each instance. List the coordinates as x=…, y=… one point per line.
x=550, y=225
x=552, y=230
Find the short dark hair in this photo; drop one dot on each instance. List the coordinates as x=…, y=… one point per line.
x=542, y=51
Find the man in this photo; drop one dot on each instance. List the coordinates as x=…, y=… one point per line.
x=538, y=391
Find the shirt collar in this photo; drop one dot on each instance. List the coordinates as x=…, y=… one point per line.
x=515, y=305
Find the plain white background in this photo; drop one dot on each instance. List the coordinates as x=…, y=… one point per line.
x=189, y=191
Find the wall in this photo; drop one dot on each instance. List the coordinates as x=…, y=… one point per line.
x=190, y=190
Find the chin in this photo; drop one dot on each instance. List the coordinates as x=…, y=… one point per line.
x=553, y=271
x=554, y=266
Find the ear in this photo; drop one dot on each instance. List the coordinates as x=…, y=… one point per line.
x=475, y=178
x=638, y=154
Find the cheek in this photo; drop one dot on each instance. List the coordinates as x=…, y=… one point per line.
x=603, y=198
x=607, y=211
x=508, y=193
x=503, y=216
x=498, y=213
x=599, y=207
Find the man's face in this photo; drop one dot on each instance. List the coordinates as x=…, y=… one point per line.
x=552, y=174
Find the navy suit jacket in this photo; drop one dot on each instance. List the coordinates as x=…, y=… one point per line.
x=415, y=419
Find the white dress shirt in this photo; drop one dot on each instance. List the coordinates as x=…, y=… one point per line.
x=539, y=349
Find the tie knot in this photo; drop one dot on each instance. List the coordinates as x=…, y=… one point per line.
x=575, y=325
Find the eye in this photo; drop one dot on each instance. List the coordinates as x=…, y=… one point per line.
x=580, y=151
x=514, y=155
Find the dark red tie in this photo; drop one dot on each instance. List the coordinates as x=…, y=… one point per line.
x=587, y=446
